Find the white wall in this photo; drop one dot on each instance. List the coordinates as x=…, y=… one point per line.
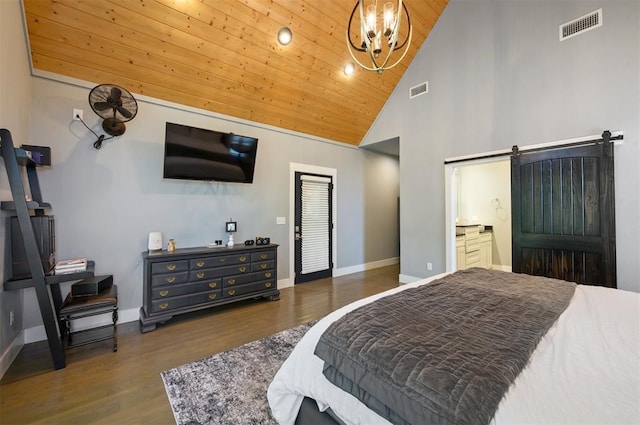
x=499, y=76
x=15, y=101
x=485, y=198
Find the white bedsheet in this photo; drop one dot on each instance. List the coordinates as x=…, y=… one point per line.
x=586, y=370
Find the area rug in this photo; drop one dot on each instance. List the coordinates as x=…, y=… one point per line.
x=230, y=387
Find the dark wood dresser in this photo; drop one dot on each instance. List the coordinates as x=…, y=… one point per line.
x=191, y=279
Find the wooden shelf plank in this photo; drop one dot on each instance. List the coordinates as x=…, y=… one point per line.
x=12, y=285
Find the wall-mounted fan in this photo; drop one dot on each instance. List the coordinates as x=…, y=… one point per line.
x=115, y=106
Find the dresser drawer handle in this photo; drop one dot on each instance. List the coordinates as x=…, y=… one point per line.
x=267, y=275
x=242, y=269
x=200, y=275
x=163, y=306
x=213, y=284
x=171, y=279
x=200, y=263
x=267, y=285
x=171, y=267
x=164, y=293
x=263, y=256
x=231, y=281
x=243, y=259
x=264, y=266
x=212, y=296
x=222, y=259
x=232, y=292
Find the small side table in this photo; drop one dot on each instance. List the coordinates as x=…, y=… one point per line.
x=106, y=301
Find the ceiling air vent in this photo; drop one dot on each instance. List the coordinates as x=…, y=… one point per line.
x=581, y=25
x=421, y=88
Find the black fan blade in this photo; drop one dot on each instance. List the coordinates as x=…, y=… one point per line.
x=101, y=106
x=124, y=112
x=115, y=94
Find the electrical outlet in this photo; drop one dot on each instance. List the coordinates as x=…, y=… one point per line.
x=77, y=114
x=429, y=266
x=11, y=318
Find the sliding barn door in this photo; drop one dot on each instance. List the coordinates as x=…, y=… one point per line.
x=313, y=227
x=563, y=214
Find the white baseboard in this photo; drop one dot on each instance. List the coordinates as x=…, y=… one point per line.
x=501, y=268
x=11, y=353
x=37, y=333
x=404, y=279
x=287, y=283
x=363, y=267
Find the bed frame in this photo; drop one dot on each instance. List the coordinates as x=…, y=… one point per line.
x=309, y=414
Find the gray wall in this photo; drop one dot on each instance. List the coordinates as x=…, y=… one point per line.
x=15, y=101
x=498, y=76
x=107, y=201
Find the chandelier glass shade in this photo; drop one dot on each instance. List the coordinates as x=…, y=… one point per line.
x=379, y=31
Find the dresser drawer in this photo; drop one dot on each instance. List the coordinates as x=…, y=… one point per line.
x=247, y=288
x=264, y=255
x=190, y=300
x=264, y=275
x=473, y=259
x=472, y=232
x=262, y=265
x=170, y=278
x=188, y=288
x=239, y=280
x=169, y=266
x=472, y=245
x=196, y=275
x=246, y=278
x=221, y=260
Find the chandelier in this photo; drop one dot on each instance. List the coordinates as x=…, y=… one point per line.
x=379, y=34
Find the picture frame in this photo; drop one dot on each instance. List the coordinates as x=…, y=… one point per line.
x=231, y=226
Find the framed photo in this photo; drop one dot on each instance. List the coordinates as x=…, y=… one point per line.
x=231, y=226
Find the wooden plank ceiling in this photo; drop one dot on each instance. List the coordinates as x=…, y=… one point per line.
x=223, y=56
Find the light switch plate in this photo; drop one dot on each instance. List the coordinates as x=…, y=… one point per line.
x=281, y=220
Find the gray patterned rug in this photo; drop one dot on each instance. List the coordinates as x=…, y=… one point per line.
x=230, y=387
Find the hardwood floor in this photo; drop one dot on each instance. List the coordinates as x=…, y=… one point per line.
x=100, y=386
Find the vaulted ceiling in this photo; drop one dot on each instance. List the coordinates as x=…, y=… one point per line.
x=223, y=56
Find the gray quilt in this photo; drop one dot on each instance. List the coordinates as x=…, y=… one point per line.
x=443, y=353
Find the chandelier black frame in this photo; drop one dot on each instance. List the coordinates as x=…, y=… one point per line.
x=368, y=44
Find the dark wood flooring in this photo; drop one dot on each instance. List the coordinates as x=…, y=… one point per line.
x=100, y=386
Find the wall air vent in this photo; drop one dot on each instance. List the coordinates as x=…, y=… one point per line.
x=581, y=25
x=421, y=88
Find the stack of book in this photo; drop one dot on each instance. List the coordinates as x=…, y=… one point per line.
x=71, y=266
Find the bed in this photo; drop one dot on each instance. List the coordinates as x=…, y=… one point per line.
x=585, y=368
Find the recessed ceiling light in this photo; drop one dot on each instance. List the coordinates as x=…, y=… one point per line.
x=349, y=68
x=284, y=36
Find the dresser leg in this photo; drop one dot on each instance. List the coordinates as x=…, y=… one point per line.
x=274, y=297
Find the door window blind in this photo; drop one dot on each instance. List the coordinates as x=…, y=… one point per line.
x=315, y=223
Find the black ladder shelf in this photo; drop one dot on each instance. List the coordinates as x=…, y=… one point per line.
x=47, y=287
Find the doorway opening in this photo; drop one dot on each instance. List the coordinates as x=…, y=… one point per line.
x=479, y=193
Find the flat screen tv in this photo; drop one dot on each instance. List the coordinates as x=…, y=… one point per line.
x=192, y=153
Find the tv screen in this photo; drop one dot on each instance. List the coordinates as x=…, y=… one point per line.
x=197, y=154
